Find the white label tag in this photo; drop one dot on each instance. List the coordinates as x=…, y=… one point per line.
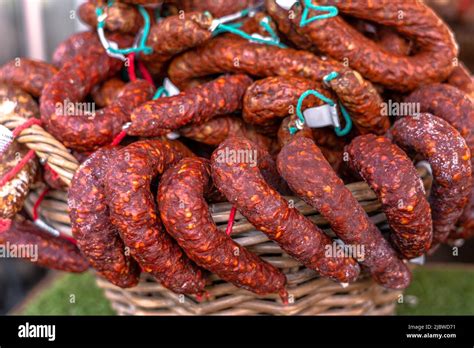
x=322, y=116
x=6, y=138
x=420, y=260
x=170, y=87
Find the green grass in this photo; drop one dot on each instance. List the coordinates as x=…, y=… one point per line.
x=70, y=295
x=440, y=291
x=434, y=291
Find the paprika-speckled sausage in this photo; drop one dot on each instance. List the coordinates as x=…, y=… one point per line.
x=96, y=237
x=455, y=107
x=133, y=212
x=173, y=35
x=75, y=44
x=311, y=177
x=196, y=105
x=50, y=252
x=105, y=94
x=432, y=63
x=186, y=216
x=449, y=156
x=241, y=182
x=216, y=130
x=120, y=17
x=28, y=74
x=391, y=174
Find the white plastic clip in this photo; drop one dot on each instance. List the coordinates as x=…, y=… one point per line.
x=322, y=116
x=170, y=87
x=286, y=4
x=420, y=260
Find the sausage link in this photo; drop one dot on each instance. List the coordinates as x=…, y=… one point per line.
x=120, y=17
x=79, y=130
x=75, y=44
x=449, y=156
x=311, y=177
x=456, y=108
x=461, y=78
x=242, y=183
x=216, y=130
x=391, y=174
x=14, y=192
x=96, y=237
x=186, y=216
x=173, y=35
x=272, y=98
x=105, y=94
x=432, y=63
x=232, y=54
x=276, y=97
x=217, y=8
x=285, y=26
x=197, y=105
x=331, y=147
x=50, y=252
x=28, y=74
x=133, y=212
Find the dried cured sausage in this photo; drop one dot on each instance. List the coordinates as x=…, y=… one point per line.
x=242, y=183
x=391, y=174
x=311, y=177
x=96, y=237
x=133, y=212
x=47, y=251
x=449, y=156
x=28, y=74
x=105, y=94
x=219, y=97
x=186, y=216
x=432, y=63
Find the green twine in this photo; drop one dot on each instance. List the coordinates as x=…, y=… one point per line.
x=142, y=47
x=331, y=11
x=159, y=93
x=339, y=132
x=243, y=34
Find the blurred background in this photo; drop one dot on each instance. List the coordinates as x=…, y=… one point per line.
x=33, y=28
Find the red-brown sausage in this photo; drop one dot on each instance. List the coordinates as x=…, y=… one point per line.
x=391, y=174
x=133, y=212
x=449, y=156
x=186, y=216
x=71, y=125
x=27, y=74
x=96, y=237
x=311, y=177
x=199, y=104
x=457, y=108
x=432, y=63
x=105, y=94
x=242, y=183
x=50, y=252
x=173, y=35
x=120, y=17
x=75, y=44
x=216, y=130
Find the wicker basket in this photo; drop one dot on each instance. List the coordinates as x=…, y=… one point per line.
x=308, y=294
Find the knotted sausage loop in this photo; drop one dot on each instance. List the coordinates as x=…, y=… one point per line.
x=111, y=47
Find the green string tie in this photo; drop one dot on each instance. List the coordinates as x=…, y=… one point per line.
x=339, y=132
x=331, y=11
